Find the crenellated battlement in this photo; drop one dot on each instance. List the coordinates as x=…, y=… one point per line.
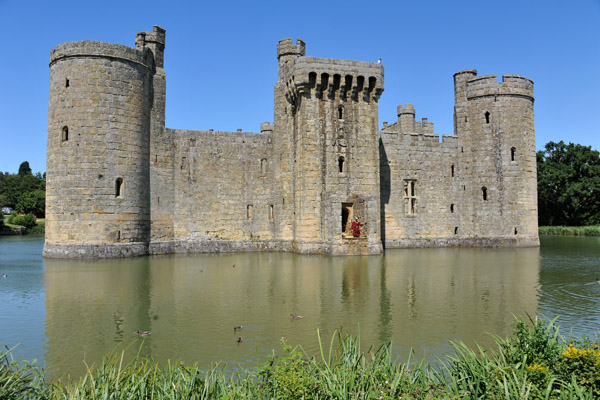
x=487, y=85
x=89, y=48
x=286, y=47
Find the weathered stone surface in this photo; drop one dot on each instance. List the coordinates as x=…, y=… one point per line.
x=120, y=184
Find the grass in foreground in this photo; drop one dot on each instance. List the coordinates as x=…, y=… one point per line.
x=535, y=363
x=592, y=230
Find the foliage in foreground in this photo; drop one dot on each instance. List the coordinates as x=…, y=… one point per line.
x=593, y=230
x=535, y=363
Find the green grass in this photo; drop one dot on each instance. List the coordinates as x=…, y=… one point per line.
x=592, y=230
x=534, y=363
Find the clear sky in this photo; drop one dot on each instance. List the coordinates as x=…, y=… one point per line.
x=221, y=64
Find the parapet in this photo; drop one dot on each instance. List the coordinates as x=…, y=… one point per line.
x=287, y=48
x=511, y=85
x=88, y=48
x=332, y=77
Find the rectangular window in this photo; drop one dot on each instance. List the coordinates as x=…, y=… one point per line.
x=410, y=196
x=249, y=212
x=271, y=218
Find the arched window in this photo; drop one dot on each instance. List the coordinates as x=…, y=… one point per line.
x=341, y=163
x=487, y=117
x=65, y=133
x=513, y=152
x=119, y=187
x=484, y=193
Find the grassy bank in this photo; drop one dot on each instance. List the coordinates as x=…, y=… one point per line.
x=592, y=230
x=536, y=363
x=38, y=229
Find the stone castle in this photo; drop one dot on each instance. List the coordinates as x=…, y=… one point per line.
x=119, y=183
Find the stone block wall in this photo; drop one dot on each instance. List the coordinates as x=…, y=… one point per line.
x=98, y=148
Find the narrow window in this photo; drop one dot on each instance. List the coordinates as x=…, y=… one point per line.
x=452, y=208
x=341, y=112
x=456, y=230
x=271, y=217
x=513, y=151
x=249, y=212
x=452, y=170
x=119, y=187
x=158, y=199
x=487, y=117
x=263, y=166
x=341, y=163
x=118, y=236
x=516, y=230
x=66, y=83
x=65, y=133
x=410, y=196
x=183, y=163
x=484, y=193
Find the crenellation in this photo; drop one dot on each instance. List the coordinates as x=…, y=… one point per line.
x=120, y=183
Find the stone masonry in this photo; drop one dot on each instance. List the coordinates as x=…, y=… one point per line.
x=119, y=183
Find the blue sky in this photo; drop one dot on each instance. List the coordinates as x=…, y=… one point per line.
x=221, y=64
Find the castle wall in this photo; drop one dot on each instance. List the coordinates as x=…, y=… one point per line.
x=119, y=183
x=224, y=186
x=419, y=191
x=98, y=150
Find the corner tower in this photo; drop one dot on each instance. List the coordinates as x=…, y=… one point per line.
x=326, y=117
x=97, y=198
x=494, y=123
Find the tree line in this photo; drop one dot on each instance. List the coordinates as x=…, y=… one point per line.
x=568, y=186
x=24, y=191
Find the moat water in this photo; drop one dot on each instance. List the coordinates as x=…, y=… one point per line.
x=64, y=313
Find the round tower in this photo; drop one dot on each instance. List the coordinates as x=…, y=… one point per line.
x=97, y=188
x=501, y=132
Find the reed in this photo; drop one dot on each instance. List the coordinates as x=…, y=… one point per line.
x=536, y=362
x=592, y=230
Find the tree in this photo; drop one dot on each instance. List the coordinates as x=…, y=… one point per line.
x=568, y=185
x=24, y=169
x=32, y=202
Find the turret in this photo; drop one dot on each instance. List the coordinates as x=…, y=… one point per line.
x=287, y=51
x=155, y=41
x=406, y=118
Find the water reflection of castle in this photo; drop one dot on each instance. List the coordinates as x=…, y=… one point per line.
x=417, y=298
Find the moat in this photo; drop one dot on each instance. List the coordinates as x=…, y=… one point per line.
x=65, y=311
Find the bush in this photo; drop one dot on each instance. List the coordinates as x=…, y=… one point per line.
x=28, y=221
